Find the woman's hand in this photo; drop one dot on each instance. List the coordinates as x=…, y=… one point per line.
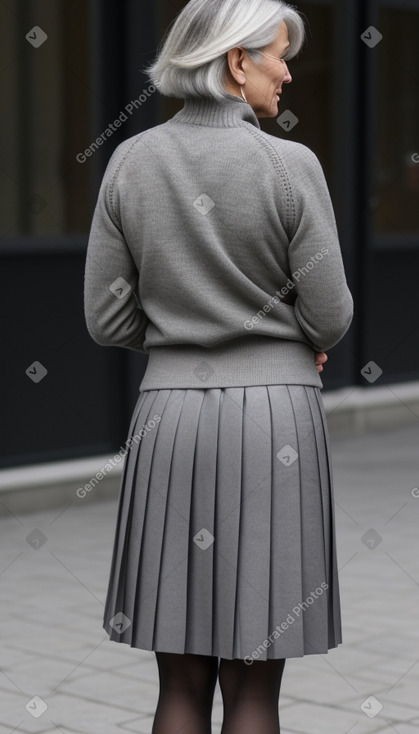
x=319, y=360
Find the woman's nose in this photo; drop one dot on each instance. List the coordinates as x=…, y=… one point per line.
x=287, y=78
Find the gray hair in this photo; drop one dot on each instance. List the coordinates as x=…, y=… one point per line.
x=192, y=58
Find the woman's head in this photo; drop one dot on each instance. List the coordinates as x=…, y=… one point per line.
x=260, y=84
x=214, y=47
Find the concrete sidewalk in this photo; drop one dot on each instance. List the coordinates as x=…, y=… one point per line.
x=53, y=574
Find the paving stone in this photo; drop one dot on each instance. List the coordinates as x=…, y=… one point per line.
x=316, y=719
x=76, y=713
x=118, y=690
x=391, y=710
x=52, y=602
x=40, y=677
x=412, y=728
x=37, y=637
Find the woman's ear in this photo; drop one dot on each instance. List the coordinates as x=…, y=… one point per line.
x=235, y=57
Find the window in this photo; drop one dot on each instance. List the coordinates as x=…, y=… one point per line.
x=47, y=97
x=396, y=113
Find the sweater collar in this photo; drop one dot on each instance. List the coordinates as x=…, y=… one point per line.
x=207, y=111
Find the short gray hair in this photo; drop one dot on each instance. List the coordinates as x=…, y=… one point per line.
x=192, y=58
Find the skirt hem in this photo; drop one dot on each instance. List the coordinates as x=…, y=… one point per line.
x=224, y=657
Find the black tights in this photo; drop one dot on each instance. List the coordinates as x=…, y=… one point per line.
x=250, y=694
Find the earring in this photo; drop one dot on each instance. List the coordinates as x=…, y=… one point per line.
x=243, y=95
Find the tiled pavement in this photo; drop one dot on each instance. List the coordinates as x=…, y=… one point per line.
x=52, y=595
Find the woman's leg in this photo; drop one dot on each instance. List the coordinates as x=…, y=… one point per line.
x=187, y=684
x=251, y=695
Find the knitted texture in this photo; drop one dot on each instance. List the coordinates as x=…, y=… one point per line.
x=214, y=250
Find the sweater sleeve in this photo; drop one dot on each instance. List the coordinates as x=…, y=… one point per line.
x=324, y=304
x=112, y=313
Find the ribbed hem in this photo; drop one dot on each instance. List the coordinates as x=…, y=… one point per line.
x=257, y=360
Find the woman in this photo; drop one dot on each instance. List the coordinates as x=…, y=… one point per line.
x=224, y=559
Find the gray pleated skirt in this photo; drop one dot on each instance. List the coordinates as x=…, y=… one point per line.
x=225, y=533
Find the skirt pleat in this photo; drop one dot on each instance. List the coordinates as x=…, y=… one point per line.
x=225, y=533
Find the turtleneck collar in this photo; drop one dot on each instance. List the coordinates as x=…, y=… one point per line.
x=210, y=112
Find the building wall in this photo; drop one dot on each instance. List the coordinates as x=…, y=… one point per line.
x=357, y=108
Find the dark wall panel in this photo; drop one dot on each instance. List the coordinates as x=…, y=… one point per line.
x=78, y=408
x=391, y=317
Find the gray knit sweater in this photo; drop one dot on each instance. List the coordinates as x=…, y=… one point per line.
x=214, y=250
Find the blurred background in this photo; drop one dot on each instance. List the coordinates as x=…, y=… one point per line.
x=68, y=69
x=70, y=75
